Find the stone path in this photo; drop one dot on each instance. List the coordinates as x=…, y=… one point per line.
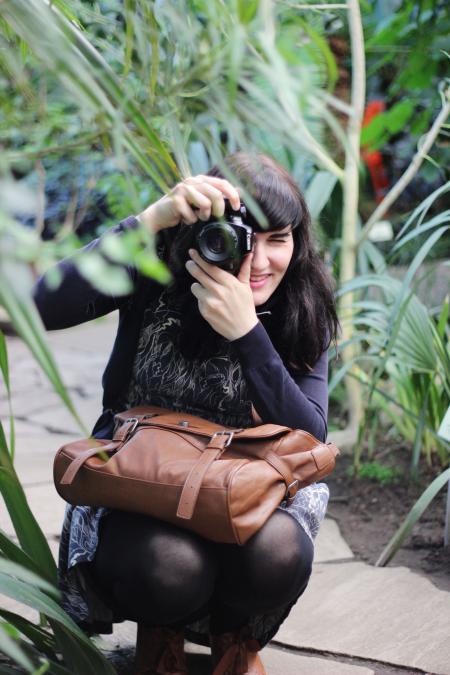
x=353, y=618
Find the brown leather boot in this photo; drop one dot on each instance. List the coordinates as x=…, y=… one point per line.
x=159, y=651
x=235, y=654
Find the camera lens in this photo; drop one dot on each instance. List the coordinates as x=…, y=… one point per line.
x=218, y=243
x=215, y=241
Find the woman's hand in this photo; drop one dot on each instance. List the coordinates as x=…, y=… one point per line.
x=224, y=301
x=204, y=193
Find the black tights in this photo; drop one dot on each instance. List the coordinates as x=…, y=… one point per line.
x=155, y=573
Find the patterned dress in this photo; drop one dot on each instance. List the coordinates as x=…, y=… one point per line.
x=214, y=389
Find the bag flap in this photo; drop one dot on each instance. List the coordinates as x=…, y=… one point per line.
x=153, y=416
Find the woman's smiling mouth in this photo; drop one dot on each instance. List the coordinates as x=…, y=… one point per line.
x=258, y=281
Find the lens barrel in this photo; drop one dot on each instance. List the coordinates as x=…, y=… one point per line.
x=218, y=242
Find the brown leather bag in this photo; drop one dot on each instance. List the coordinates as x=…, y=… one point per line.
x=220, y=482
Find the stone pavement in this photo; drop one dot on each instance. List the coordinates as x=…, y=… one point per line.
x=353, y=618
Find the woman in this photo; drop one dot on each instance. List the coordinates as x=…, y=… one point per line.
x=232, y=349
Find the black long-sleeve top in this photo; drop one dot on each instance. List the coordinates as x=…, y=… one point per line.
x=279, y=395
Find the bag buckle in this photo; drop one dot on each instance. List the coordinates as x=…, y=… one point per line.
x=230, y=434
x=288, y=489
x=135, y=421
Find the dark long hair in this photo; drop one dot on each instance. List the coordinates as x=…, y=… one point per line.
x=300, y=317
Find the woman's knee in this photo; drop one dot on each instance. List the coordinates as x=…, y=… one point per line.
x=154, y=571
x=282, y=547
x=273, y=568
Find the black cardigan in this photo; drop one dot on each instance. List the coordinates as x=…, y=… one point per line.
x=279, y=396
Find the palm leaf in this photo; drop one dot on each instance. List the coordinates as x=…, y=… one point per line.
x=79, y=653
x=12, y=648
x=5, y=373
x=26, y=527
x=41, y=639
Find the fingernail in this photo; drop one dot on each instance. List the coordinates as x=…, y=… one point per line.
x=191, y=252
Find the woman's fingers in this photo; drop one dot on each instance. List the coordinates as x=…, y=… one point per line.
x=226, y=188
x=182, y=208
x=198, y=266
x=213, y=198
x=198, y=290
x=205, y=194
x=216, y=189
x=203, y=277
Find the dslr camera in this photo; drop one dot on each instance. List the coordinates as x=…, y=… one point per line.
x=224, y=241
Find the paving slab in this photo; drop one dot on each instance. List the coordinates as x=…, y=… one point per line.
x=59, y=420
x=329, y=543
x=119, y=649
x=282, y=662
x=391, y=615
x=34, y=465
x=30, y=403
x=95, y=337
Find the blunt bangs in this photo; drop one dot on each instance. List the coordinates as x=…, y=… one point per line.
x=270, y=186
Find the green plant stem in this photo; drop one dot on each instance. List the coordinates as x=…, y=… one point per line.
x=350, y=205
x=54, y=149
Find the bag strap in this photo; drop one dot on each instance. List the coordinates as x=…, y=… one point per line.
x=215, y=448
x=191, y=488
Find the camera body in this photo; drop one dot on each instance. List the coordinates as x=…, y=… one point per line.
x=224, y=241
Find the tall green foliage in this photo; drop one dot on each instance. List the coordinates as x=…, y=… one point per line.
x=405, y=351
x=28, y=576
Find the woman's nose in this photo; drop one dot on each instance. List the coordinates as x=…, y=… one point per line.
x=260, y=260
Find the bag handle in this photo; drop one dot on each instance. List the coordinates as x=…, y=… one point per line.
x=119, y=439
x=76, y=464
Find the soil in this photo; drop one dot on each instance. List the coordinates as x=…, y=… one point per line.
x=369, y=513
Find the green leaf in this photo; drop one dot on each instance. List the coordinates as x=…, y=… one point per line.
x=397, y=117
x=4, y=362
x=5, y=373
x=152, y=267
x=107, y=278
x=78, y=651
x=12, y=648
x=373, y=133
x=420, y=122
x=443, y=318
x=8, y=567
x=319, y=191
x=27, y=322
x=16, y=554
x=322, y=45
x=26, y=527
x=411, y=519
x=247, y=10
x=80, y=655
x=41, y=639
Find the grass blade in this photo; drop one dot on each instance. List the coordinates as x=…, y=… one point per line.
x=411, y=519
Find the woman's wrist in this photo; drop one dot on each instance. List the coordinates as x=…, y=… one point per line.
x=147, y=219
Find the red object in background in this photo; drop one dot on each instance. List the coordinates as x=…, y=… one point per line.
x=373, y=158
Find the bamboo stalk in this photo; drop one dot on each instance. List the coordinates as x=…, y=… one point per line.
x=350, y=205
x=410, y=172
x=335, y=5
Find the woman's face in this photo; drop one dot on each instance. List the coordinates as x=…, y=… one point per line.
x=272, y=254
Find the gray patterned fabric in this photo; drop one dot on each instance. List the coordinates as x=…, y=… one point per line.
x=214, y=389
